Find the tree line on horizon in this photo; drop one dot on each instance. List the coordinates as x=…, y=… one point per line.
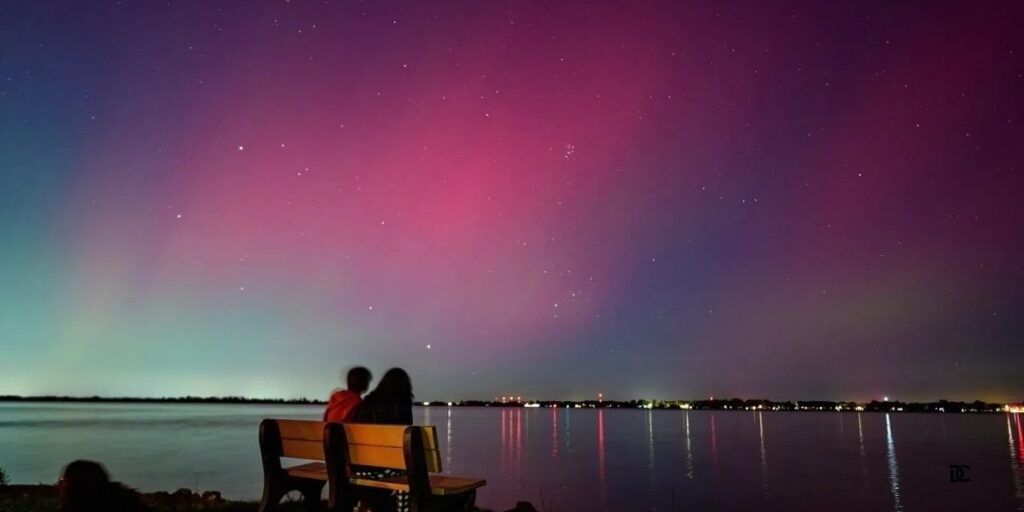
x=711, y=404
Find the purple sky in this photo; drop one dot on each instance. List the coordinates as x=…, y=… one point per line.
x=675, y=200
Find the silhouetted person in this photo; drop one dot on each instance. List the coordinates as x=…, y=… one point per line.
x=390, y=402
x=344, y=403
x=85, y=486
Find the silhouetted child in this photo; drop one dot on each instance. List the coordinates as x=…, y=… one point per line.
x=85, y=486
x=344, y=403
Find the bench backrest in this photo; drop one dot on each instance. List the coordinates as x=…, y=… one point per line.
x=379, y=446
x=301, y=439
x=383, y=446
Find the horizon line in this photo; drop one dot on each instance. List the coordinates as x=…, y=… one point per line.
x=510, y=401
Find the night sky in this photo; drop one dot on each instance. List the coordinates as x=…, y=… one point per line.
x=550, y=199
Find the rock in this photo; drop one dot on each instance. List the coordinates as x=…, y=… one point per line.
x=211, y=498
x=41, y=490
x=182, y=497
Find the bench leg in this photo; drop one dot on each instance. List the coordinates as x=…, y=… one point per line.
x=273, y=491
x=378, y=500
x=311, y=492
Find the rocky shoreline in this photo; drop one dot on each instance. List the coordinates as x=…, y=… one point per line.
x=38, y=498
x=44, y=498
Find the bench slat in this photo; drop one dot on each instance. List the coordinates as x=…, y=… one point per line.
x=375, y=435
x=376, y=456
x=312, y=450
x=389, y=458
x=313, y=470
x=440, y=485
x=386, y=435
x=301, y=429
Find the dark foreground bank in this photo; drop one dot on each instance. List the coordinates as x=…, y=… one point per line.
x=44, y=498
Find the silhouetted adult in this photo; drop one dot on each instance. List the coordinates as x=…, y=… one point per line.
x=390, y=403
x=85, y=486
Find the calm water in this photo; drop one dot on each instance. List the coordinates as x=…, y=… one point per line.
x=572, y=459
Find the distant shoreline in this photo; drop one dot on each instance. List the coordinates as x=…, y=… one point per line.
x=733, y=404
x=170, y=400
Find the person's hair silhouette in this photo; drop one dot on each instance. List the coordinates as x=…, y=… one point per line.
x=390, y=402
x=85, y=486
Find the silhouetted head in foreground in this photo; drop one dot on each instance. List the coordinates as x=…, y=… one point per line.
x=395, y=385
x=85, y=486
x=358, y=379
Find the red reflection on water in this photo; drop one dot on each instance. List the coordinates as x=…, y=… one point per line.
x=519, y=434
x=517, y=447
x=600, y=444
x=714, y=442
x=1020, y=437
x=502, y=426
x=504, y=439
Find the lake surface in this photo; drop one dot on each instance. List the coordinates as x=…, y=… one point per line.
x=572, y=459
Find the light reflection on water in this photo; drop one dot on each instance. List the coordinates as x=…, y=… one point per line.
x=649, y=420
x=1016, y=459
x=621, y=460
x=894, y=469
x=764, y=456
x=448, y=439
x=863, y=457
x=554, y=433
x=600, y=445
x=689, y=447
x=1020, y=436
x=714, y=442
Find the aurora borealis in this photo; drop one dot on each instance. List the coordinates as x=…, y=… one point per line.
x=668, y=199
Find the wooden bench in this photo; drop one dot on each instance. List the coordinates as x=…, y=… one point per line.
x=293, y=439
x=344, y=450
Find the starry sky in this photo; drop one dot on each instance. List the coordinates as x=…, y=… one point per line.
x=549, y=199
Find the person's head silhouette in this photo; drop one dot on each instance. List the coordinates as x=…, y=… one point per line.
x=84, y=485
x=394, y=385
x=358, y=379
